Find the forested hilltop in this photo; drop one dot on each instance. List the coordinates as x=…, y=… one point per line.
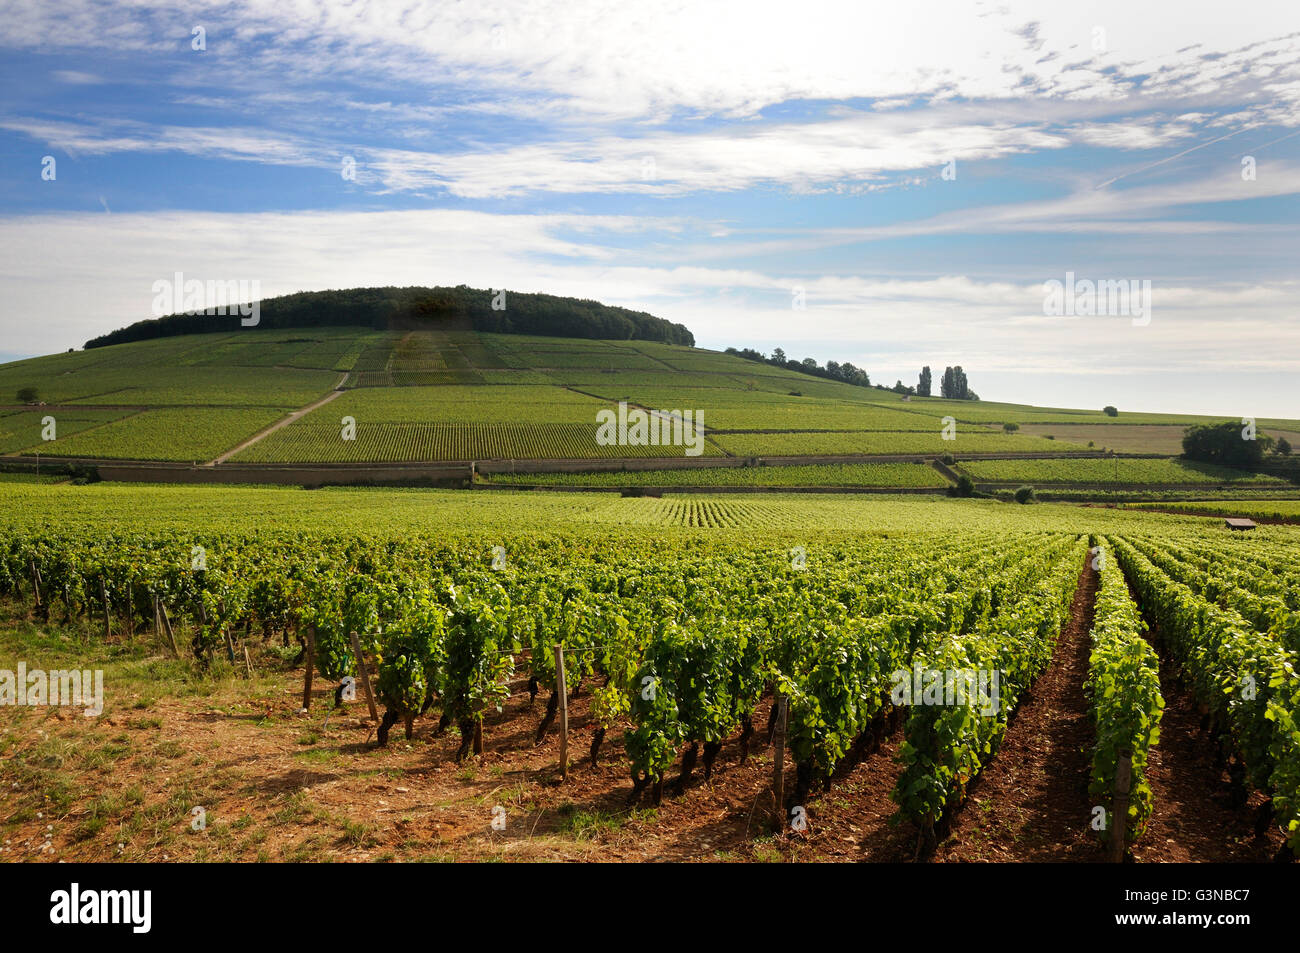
x=411, y=308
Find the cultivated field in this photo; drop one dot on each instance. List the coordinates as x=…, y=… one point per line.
x=835, y=474
x=1152, y=472
x=1115, y=636
x=1282, y=510
x=436, y=395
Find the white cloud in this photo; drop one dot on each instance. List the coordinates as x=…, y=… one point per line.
x=798, y=155
x=101, y=137
x=76, y=77
x=719, y=57
x=73, y=277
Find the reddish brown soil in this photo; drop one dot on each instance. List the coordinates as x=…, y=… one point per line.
x=1194, y=818
x=1031, y=802
x=280, y=785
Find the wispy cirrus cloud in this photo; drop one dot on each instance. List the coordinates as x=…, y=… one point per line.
x=726, y=57
x=696, y=159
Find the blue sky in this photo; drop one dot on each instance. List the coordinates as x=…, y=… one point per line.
x=703, y=161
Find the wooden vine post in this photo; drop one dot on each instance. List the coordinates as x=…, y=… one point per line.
x=778, y=759
x=36, y=583
x=365, y=676
x=1119, y=807
x=311, y=664
x=167, y=624
x=562, y=688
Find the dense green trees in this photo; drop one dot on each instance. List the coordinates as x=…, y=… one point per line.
x=460, y=307
x=954, y=386
x=846, y=372
x=1228, y=443
x=923, y=385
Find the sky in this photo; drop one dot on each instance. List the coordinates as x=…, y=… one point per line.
x=894, y=185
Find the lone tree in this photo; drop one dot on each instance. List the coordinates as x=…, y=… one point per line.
x=1110, y=411
x=965, y=486
x=923, y=385
x=28, y=395
x=1225, y=444
x=1283, y=447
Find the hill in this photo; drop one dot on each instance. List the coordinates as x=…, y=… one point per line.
x=356, y=395
x=387, y=309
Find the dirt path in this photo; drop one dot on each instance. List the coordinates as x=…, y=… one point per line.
x=279, y=424
x=1031, y=803
x=1194, y=818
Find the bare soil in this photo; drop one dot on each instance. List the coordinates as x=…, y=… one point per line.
x=1031, y=803
x=1195, y=818
x=275, y=784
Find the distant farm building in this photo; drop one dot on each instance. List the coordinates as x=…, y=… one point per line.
x=1235, y=523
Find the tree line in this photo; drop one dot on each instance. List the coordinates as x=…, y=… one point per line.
x=460, y=307
x=1230, y=444
x=953, y=385
x=846, y=372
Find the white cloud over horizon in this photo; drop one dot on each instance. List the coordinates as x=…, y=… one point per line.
x=95, y=274
x=695, y=158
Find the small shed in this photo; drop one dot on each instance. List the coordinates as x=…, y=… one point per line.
x=1238, y=523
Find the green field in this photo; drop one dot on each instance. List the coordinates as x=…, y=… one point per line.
x=834, y=474
x=760, y=410
x=178, y=434
x=435, y=395
x=462, y=404
x=26, y=431
x=204, y=369
x=1118, y=470
x=723, y=604
x=1256, y=508
x=40, y=478
x=164, y=508
x=393, y=442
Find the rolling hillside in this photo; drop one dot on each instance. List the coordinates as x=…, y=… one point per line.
x=263, y=396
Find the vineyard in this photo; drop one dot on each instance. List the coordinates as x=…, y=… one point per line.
x=379, y=442
x=842, y=474
x=1282, y=510
x=178, y=433
x=704, y=637
x=457, y=395
x=1153, y=472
